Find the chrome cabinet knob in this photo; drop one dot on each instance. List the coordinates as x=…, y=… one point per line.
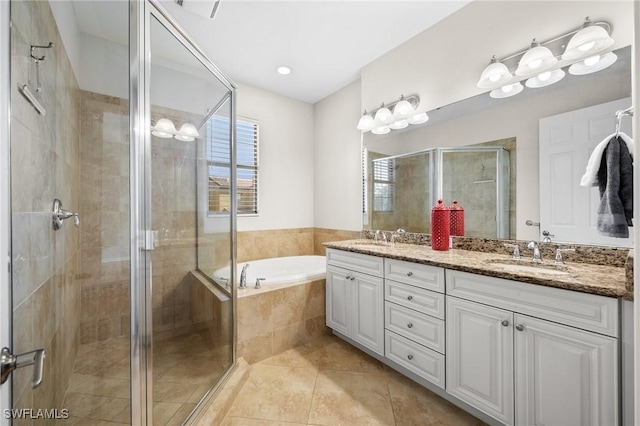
x=409, y=274
x=409, y=357
x=505, y=323
x=519, y=327
x=410, y=325
x=409, y=297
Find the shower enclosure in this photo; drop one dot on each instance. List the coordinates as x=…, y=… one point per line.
x=111, y=281
x=403, y=188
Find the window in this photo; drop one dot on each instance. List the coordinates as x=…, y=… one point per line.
x=219, y=165
x=384, y=176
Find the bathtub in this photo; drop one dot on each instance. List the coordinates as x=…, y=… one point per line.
x=278, y=271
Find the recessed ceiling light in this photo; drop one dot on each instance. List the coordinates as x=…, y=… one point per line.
x=284, y=70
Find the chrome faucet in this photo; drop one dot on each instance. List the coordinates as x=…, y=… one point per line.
x=559, y=254
x=399, y=231
x=516, y=250
x=243, y=276
x=384, y=237
x=537, y=257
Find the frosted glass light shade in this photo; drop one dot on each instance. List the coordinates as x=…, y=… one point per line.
x=593, y=64
x=418, y=118
x=187, y=133
x=494, y=75
x=545, y=79
x=537, y=60
x=507, y=91
x=384, y=115
x=365, y=123
x=402, y=109
x=399, y=124
x=587, y=42
x=381, y=130
x=164, y=128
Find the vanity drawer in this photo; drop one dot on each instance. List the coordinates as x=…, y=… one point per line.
x=424, y=276
x=425, y=301
x=420, y=328
x=416, y=358
x=364, y=263
x=586, y=311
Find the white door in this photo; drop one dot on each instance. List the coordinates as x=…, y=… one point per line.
x=338, y=299
x=479, y=357
x=564, y=376
x=368, y=311
x=569, y=211
x=5, y=257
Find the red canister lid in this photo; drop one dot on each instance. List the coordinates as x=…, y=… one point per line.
x=455, y=206
x=440, y=206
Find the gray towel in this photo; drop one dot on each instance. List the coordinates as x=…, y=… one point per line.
x=615, y=178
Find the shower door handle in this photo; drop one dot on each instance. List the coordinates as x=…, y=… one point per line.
x=12, y=362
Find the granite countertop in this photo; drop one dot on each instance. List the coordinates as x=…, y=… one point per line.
x=604, y=280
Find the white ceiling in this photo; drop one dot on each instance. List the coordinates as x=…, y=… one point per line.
x=326, y=43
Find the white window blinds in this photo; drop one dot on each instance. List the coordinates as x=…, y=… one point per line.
x=219, y=165
x=384, y=177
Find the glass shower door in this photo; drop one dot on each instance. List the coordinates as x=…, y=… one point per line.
x=191, y=323
x=69, y=224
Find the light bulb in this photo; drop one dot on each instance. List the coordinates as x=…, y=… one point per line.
x=592, y=60
x=400, y=124
x=494, y=77
x=535, y=63
x=382, y=130
x=419, y=118
x=587, y=46
x=507, y=88
x=544, y=76
x=383, y=115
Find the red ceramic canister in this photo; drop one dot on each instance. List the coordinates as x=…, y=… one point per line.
x=456, y=219
x=440, y=227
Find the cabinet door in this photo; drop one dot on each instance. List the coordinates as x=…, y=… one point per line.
x=479, y=357
x=368, y=312
x=564, y=376
x=338, y=306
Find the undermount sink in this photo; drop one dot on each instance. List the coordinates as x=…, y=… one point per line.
x=524, y=266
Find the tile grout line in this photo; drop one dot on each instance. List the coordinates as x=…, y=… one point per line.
x=315, y=384
x=393, y=411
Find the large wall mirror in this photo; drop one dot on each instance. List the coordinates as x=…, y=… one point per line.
x=406, y=158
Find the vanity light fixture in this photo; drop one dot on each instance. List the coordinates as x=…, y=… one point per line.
x=544, y=79
x=593, y=64
x=395, y=116
x=541, y=64
x=536, y=60
x=591, y=39
x=165, y=129
x=507, y=91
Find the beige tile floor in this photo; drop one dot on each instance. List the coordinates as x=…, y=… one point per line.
x=98, y=391
x=329, y=382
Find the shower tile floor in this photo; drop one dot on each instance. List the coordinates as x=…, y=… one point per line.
x=329, y=382
x=98, y=391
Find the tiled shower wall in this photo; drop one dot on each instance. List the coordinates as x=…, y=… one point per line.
x=104, y=206
x=105, y=230
x=45, y=165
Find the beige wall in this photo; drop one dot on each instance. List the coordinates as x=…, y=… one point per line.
x=45, y=165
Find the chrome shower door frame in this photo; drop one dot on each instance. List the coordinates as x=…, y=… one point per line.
x=141, y=244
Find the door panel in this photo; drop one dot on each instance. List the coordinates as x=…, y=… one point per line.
x=564, y=376
x=338, y=300
x=479, y=352
x=368, y=313
x=567, y=140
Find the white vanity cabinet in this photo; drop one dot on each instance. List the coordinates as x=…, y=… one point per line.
x=527, y=355
x=355, y=294
x=414, y=318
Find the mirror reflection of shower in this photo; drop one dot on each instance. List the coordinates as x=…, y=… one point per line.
x=402, y=189
x=483, y=176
